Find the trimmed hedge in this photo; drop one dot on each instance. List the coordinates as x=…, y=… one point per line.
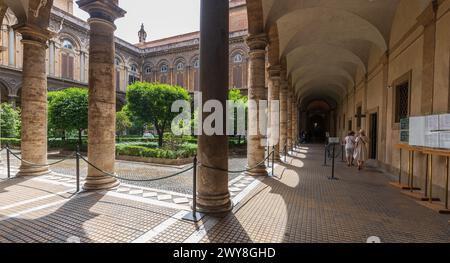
x=10, y=141
x=185, y=151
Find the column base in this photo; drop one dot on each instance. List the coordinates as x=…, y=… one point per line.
x=258, y=171
x=218, y=206
x=94, y=183
x=25, y=170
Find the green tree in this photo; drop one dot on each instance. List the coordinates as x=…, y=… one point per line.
x=235, y=96
x=152, y=103
x=68, y=110
x=123, y=123
x=9, y=121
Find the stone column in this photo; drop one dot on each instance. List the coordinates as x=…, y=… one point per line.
x=428, y=20
x=212, y=185
x=294, y=113
x=12, y=48
x=289, y=119
x=256, y=92
x=102, y=93
x=51, y=58
x=34, y=101
x=274, y=95
x=283, y=110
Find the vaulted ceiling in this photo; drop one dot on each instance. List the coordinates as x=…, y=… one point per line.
x=325, y=42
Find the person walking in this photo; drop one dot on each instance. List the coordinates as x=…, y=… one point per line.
x=360, y=154
x=349, y=142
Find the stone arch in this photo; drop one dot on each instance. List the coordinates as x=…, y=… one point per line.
x=178, y=60
x=255, y=17
x=163, y=77
x=193, y=59
x=162, y=62
x=72, y=38
x=146, y=65
x=5, y=91
x=35, y=12
x=324, y=54
x=119, y=58
x=313, y=71
x=406, y=17
x=325, y=25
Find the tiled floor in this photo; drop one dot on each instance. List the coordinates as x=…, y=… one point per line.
x=300, y=204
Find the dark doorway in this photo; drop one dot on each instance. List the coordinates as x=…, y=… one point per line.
x=373, y=133
x=317, y=128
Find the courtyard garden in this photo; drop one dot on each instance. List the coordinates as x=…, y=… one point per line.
x=143, y=125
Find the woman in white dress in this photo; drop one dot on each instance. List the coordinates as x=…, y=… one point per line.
x=350, y=147
x=360, y=154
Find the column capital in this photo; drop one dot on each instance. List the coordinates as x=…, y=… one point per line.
x=274, y=72
x=34, y=34
x=103, y=10
x=257, y=42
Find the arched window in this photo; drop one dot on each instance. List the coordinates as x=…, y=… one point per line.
x=67, y=44
x=180, y=74
x=237, y=71
x=196, y=73
x=237, y=58
x=164, y=69
x=148, y=70
x=133, y=74
x=180, y=66
x=196, y=63
x=67, y=59
x=117, y=62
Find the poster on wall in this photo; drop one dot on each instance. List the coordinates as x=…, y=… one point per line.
x=444, y=140
x=444, y=122
x=432, y=139
x=417, y=131
x=432, y=123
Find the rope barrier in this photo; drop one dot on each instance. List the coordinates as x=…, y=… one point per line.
x=134, y=180
x=41, y=165
x=238, y=171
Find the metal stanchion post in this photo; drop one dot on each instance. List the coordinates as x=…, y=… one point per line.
x=412, y=171
x=194, y=200
x=8, y=164
x=273, y=160
x=409, y=168
x=78, y=168
x=268, y=155
x=285, y=153
x=446, y=185
x=194, y=216
x=431, y=178
x=333, y=152
x=427, y=174
x=400, y=173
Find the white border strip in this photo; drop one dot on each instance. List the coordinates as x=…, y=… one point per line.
x=238, y=198
x=148, y=201
x=160, y=228
x=198, y=235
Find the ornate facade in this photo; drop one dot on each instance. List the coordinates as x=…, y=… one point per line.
x=173, y=60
